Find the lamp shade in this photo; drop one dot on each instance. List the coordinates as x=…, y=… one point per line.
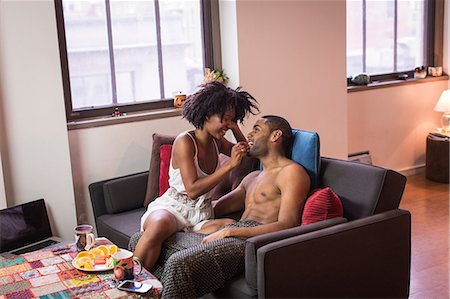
x=443, y=105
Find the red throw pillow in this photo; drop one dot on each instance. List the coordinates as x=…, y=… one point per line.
x=165, y=152
x=322, y=204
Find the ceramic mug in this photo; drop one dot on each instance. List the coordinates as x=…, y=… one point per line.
x=123, y=262
x=84, y=238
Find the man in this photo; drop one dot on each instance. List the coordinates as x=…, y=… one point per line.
x=272, y=197
x=272, y=200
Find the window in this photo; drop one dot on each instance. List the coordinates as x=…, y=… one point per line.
x=386, y=38
x=134, y=55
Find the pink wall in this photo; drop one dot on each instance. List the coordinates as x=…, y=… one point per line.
x=292, y=59
x=393, y=123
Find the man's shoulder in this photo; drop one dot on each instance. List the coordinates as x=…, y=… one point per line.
x=293, y=170
x=293, y=166
x=252, y=175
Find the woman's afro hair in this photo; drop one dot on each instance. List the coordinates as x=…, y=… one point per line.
x=215, y=98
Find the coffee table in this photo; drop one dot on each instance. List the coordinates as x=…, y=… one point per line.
x=49, y=273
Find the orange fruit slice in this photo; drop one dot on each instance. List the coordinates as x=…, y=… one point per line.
x=113, y=249
x=82, y=261
x=104, y=249
x=84, y=254
x=96, y=252
x=87, y=265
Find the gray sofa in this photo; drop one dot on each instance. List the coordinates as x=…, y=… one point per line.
x=366, y=254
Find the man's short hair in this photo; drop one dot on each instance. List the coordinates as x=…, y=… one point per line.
x=275, y=122
x=216, y=98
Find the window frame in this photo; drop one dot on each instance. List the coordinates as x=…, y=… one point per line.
x=433, y=39
x=211, y=58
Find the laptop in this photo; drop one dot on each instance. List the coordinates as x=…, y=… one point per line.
x=25, y=228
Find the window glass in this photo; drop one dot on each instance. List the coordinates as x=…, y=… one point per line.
x=87, y=53
x=354, y=37
x=410, y=38
x=385, y=36
x=380, y=36
x=133, y=54
x=181, y=45
x=135, y=50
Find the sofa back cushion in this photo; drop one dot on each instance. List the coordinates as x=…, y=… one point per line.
x=306, y=152
x=363, y=189
x=120, y=196
x=155, y=164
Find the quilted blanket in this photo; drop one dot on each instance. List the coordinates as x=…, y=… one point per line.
x=189, y=269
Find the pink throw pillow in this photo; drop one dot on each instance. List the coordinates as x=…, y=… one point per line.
x=322, y=204
x=165, y=152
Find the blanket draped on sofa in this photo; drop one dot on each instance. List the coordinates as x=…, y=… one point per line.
x=189, y=269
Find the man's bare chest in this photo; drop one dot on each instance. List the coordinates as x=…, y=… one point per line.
x=263, y=188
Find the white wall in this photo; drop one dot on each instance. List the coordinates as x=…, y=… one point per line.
x=35, y=149
x=112, y=151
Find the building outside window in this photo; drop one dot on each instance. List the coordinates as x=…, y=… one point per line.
x=133, y=55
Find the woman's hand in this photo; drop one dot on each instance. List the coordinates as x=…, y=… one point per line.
x=238, y=151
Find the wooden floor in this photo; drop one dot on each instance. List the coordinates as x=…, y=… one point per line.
x=428, y=203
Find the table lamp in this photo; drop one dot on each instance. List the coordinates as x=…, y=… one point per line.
x=443, y=105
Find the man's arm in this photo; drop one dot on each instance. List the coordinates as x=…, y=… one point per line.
x=292, y=201
x=235, y=200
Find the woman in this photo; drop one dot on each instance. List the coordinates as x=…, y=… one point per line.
x=194, y=167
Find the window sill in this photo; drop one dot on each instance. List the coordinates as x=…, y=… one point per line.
x=130, y=117
x=392, y=83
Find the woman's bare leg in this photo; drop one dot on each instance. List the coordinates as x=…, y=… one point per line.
x=214, y=225
x=158, y=226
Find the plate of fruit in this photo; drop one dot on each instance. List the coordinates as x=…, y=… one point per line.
x=96, y=259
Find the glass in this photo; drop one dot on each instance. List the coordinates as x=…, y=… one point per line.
x=354, y=37
x=135, y=51
x=410, y=34
x=87, y=53
x=181, y=37
x=380, y=36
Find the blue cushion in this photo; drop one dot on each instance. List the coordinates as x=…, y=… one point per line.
x=306, y=152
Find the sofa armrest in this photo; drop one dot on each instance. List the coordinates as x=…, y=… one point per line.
x=369, y=257
x=96, y=191
x=253, y=244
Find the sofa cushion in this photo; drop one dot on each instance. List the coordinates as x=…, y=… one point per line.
x=118, y=228
x=155, y=160
x=306, y=151
x=123, y=194
x=363, y=189
x=321, y=205
x=165, y=152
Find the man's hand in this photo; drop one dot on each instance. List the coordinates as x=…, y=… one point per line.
x=218, y=235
